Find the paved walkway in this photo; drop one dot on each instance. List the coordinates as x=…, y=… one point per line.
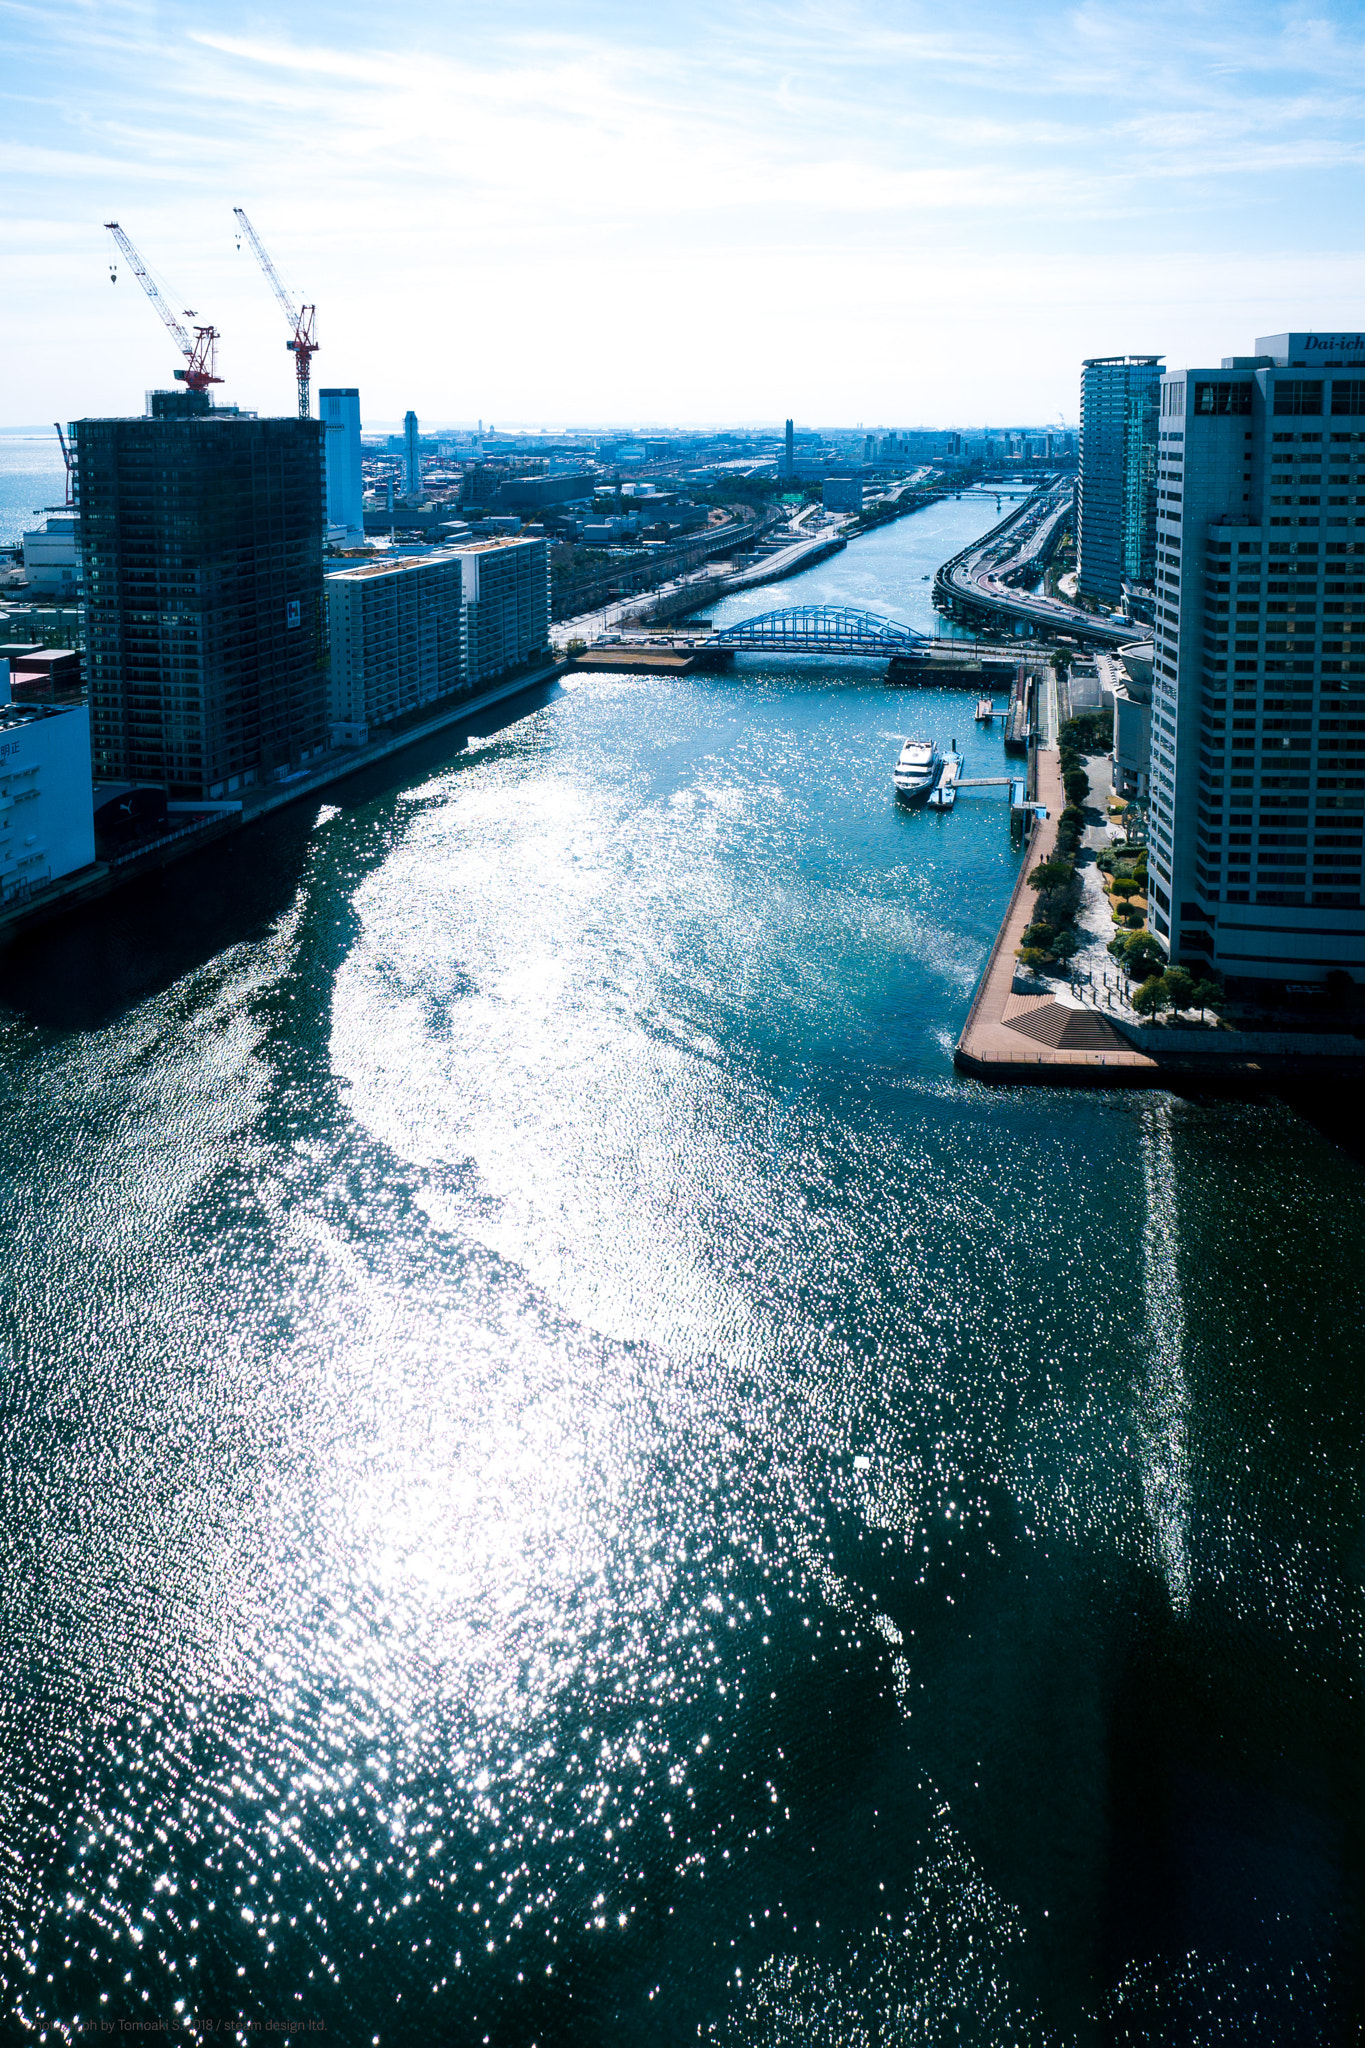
x=1028, y=1034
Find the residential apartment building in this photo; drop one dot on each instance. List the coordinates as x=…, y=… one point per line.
x=507, y=598
x=201, y=536
x=397, y=630
x=407, y=631
x=1116, y=489
x=1258, y=711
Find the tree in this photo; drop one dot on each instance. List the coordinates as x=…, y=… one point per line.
x=1076, y=783
x=1208, y=996
x=1142, y=955
x=1123, y=886
x=1051, y=878
x=1151, y=996
x=1180, y=988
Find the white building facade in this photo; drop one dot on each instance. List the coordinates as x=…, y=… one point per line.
x=397, y=633
x=51, y=568
x=339, y=408
x=1257, y=794
x=47, y=810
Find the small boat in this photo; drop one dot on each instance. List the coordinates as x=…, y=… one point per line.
x=916, y=771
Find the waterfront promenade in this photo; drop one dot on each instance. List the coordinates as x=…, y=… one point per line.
x=1013, y=1034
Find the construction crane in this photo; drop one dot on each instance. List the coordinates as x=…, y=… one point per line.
x=70, y=465
x=200, y=352
x=303, y=319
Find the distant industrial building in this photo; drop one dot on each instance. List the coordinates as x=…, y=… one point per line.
x=843, y=494
x=1116, y=498
x=202, y=545
x=786, y=466
x=340, y=410
x=47, y=813
x=536, y=493
x=50, y=565
x=412, y=457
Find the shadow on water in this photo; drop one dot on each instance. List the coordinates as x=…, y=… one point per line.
x=84, y=969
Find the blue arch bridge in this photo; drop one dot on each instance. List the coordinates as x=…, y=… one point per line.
x=822, y=629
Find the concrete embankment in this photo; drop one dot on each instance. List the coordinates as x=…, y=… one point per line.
x=74, y=892
x=1019, y=1035
x=1015, y=1033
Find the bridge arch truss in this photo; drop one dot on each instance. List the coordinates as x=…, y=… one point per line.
x=822, y=629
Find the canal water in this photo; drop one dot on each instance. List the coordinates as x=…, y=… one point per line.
x=566, y=1481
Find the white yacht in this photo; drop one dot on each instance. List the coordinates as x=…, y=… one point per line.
x=917, y=771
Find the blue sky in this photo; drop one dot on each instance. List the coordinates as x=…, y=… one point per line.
x=610, y=212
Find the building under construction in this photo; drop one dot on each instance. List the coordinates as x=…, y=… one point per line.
x=202, y=548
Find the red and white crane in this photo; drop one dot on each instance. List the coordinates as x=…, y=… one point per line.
x=200, y=352
x=303, y=319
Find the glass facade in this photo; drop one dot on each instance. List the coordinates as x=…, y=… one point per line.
x=1116, y=496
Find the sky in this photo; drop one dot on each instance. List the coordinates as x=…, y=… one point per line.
x=607, y=213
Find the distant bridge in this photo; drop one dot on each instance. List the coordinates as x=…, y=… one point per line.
x=822, y=629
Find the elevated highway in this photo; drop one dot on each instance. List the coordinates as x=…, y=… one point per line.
x=981, y=585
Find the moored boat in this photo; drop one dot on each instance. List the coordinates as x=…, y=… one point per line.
x=916, y=771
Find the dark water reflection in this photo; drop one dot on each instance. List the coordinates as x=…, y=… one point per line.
x=566, y=1481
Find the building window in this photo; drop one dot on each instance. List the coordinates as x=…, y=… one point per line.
x=1229, y=397
x=1297, y=395
x=1348, y=397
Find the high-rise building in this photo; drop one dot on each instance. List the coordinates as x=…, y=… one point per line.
x=201, y=539
x=413, y=631
x=1258, y=713
x=506, y=592
x=789, y=451
x=340, y=411
x=1116, y=495
x=398, y=640
x=412, y=462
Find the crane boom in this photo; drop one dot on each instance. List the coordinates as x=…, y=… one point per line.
x=302, y=318
x=200, y=352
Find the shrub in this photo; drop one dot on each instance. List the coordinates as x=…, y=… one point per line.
x=1129, y=914
x=1032, y=956
x=1123, y=885
x=575, y=648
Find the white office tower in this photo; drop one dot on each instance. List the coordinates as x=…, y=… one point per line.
x=1258, y=709
x=47, y=805
x=412, y=457
x=340, y=410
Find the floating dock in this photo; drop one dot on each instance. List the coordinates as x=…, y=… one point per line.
x=943, y=795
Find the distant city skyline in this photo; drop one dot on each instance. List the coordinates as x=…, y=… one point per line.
x=682, y=217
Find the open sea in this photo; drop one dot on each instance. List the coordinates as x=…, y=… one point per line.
x=565, y=1480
